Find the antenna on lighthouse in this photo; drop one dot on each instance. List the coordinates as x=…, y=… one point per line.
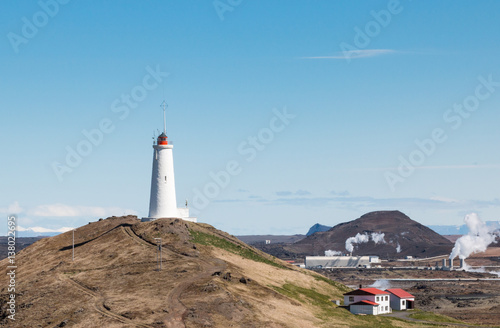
x=164, y=106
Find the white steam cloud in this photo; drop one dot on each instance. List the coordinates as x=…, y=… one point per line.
x=358, y=239
x=382, y=284
x=332, y=253
x=398, y=248
x=378, y=238
x=477, y=240
x=481, y=270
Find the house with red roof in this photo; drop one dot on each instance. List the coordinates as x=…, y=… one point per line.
x=401, y=300
x=368, y=301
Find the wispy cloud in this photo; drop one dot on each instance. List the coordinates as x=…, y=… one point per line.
x=432, y=167
x=42, y=230
x=360, y=202
x=299, y=192
x=360, y=53
x=356, y=203
x=63, y=210
x=13, y=208
x=340, y=193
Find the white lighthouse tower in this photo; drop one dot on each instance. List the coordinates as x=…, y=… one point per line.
x=163, y=202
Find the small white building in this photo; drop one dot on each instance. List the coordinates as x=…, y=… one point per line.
x=368, y=301
x=401, y=300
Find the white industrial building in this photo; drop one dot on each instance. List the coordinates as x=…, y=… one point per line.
x=325, y=262
x=400, y=299
x=368, y=301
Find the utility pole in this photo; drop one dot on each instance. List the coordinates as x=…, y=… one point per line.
x=159, y=258
x=73, y=257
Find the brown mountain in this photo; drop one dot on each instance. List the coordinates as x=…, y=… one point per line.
x=412, y=237
x=208, y=279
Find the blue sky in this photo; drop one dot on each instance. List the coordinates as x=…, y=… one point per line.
x=358, y=84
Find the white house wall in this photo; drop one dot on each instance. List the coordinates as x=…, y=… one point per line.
x=397, y=303
x=363, y=309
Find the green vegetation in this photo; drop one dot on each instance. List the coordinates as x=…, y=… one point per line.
x=211, y=240
x=386, y=322
x=430, y=316
x=341, y=287
x=305, y=295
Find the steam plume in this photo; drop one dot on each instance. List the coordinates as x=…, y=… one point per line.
x=378, y=238
x=358, y=239
x=332, y=253
x=477, y=240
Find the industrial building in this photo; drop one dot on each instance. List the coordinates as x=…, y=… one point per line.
x=325, y=262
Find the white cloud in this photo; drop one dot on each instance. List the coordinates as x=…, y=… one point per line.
x=42, y=230
x=356, y=54
x=63, y=210
x=13, y=208
x=332, y=253
x=445, y=199
x=431, y=167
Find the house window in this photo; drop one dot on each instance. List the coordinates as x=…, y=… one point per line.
x=387, y=308
x=351, y=299
x=387, y=298
x=377, y=299
x=404, y=302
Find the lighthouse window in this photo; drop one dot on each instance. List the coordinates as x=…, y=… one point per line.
x=165, y=178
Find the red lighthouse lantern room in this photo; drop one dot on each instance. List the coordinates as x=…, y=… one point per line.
x=162, y=139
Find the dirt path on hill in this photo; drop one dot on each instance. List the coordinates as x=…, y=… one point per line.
x=99, y=303
x=130, y=233
x=177, y=310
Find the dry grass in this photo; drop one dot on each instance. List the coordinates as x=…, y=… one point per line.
x=113, y=282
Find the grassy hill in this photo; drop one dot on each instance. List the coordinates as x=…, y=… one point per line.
x=208, y=279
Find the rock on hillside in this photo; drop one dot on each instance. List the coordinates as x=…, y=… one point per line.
x=208, y=279
x=400, y=234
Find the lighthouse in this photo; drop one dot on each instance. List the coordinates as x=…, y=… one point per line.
x=163, y=201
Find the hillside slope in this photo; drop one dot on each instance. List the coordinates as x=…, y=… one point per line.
x=208, y=279
x=412, y=237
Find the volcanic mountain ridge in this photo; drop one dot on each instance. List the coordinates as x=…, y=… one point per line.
x=402, y=236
